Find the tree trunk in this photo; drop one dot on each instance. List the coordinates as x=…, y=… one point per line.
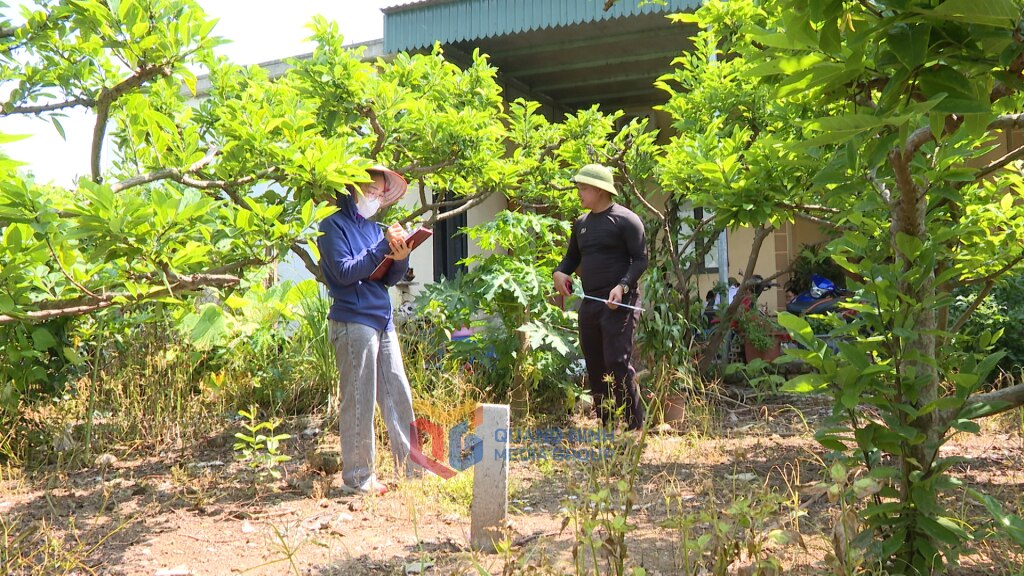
x=917, y=376
x=520, y=393
x=718, y=336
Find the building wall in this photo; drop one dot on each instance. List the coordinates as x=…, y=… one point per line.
x=739, y=244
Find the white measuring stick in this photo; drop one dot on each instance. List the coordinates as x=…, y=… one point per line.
x=608, y=302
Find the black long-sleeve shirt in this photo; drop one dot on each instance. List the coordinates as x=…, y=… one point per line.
x=609, y=248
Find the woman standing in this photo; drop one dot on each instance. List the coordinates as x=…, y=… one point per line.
x=362, y=329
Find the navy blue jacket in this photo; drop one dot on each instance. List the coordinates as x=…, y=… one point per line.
x=351, y=247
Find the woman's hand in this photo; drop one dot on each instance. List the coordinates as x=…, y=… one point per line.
x=400, y=250
x=395, y=236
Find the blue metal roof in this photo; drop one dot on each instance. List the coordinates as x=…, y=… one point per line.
x=420, y=24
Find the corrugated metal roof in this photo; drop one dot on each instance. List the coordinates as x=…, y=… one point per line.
x=420, y=24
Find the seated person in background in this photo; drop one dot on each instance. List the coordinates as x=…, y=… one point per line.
x=710, y=306
x=790, y=293
x=734, y=287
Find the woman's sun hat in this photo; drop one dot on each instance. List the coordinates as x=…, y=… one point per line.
x=394, y=185
x=597, y=176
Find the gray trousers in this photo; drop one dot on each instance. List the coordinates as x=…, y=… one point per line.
x=370, y=371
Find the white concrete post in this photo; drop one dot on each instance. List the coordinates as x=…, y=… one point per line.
x=490, y=479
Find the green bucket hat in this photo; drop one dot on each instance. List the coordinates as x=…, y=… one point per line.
x=597, y=176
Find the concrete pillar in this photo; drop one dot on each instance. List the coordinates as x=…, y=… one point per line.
x=490, y=479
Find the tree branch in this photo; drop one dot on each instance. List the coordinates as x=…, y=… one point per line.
x=718, y=335
x=79, y=306
x=425, y=206
x=307, y=261
x=808, y=208
x=821, y=221
x=978, y=298
x=1007, y=122
x=415, y=170
x=470, y=203
x=44, y=315
x=999, y=401
x=175, y=174
x=63, y=271
x=1002, y=89
x=636, y=192
x=867, y=6
x=917, y=139
x=371, y=115
x=999, y=163
x=87, y=102
x=107, y=97
x=880, y=187
x=990, y=277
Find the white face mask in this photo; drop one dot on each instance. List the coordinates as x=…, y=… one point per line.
x=367, y=207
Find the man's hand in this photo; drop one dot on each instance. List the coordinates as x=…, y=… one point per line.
x=395, y=235
x=562, y=283
x=614, y=297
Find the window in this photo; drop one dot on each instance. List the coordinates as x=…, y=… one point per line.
x=450, y=246
x=688, y=214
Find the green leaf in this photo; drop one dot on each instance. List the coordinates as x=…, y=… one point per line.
x=998, y=13
x=937, y=123
x=821, y=76
x=942, y=529
x=976, y=125
x=855, y=356
x=864, y=487
x=909, y=246
x=60, y=129
x=785, y=537
x=72, y=356
x=8, y=138
x=909, y=43
x=798, y=327
x=782, y=41
x=944, y=403
x=1006, y=202
x=798, y=26
x=1010, y=525
x=829, y=38
x=189, y=79
x=43, y=340
x=840, y=128
x=960, y=94
x=211, y=327
x=787, y=66
x=805, y=383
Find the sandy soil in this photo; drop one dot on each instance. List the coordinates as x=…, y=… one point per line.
x=194, y=511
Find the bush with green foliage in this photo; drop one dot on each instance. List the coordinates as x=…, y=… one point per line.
x=876, y=120
x=523, y=343
x=1000, y=312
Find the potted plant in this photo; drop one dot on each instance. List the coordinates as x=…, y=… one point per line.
x=668, y=392
x=762, y=338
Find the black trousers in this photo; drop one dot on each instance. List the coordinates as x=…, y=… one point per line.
x=606, y=337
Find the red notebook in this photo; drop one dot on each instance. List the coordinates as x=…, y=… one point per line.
x=413, y=240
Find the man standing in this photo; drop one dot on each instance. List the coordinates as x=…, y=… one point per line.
x=608, y=249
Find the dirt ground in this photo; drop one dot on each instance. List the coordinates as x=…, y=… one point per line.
x=194, y=511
